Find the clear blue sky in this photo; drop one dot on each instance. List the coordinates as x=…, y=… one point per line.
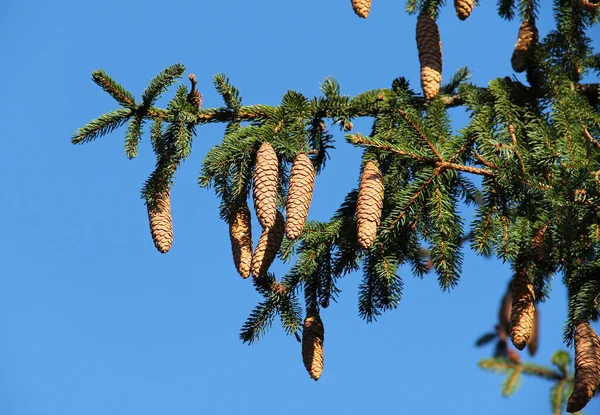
x=93, y=320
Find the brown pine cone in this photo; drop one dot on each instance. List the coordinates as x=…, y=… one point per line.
x=361, y=7
x=265, y=185
x=589, y=5
x=267, y=247
x=240, y=234
x=587, y=366
x=522, y=312
x=313, y=336
x=302, y=181
x=534, y=339
x=161, y=223
x=526, y=42
x=194, y=96
x=430, y=55
x=369, y=204
x=463, y=8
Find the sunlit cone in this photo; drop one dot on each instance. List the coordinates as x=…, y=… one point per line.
x=302, y=181
x=240, y=234
x=369, y=204
x=161, y=223
x=361, y=7
x=463, y=8
x=589, y=5
x=528, y=37
x=587, y=366
x=522, y=312
x=313, y=336
x=265, y=185
x=267, y=247
x=430, y=55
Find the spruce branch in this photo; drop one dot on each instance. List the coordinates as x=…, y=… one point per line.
x=102, y=125
x=120, y=94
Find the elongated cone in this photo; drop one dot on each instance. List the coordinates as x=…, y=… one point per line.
x=302, y=182
x=587, y=366
x=523, y=309
x=313, y=336
x=265, y=185
x=267, y=247
x=161, y=223
x=430, y=55
x=194, y=96
x=528, y=37
x=534, y=339
x=369, y=204
x=463, y=8
x=589, y=5
x=361, y=7
x=240, y=234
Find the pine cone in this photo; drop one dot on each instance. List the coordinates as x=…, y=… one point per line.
x=240, y=234
x=528, y=38
x=369, y=204
x=313, y=336
x=534, y=339
x=161, y=223
x=430, y=55
x=463, y=8
x=589, y=5
x=361, y=7
x=522, y=312
x=268, y=245
x=194, y=96
x=587, y=366
x=302, y=181
x=265, y=185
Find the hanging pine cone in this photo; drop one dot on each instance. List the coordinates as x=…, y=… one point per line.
x=534, y=339
x=587, y=366
x=528, y=37
x=430, y=55
x=361, y=7
x=589, y=5
x=240, y=234
x=161, y=223
x=522, y=312
x=313, y=336
x=302, y=181
x=369, y=204
x=268, y=245
x=463, y=8
x=265, y=185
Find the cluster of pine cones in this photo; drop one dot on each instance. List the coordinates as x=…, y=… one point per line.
x=523, y=331
x=274, y=226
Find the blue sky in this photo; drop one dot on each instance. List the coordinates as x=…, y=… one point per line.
x=93, y=320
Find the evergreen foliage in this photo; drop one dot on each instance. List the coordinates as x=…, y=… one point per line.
x=533, y=149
